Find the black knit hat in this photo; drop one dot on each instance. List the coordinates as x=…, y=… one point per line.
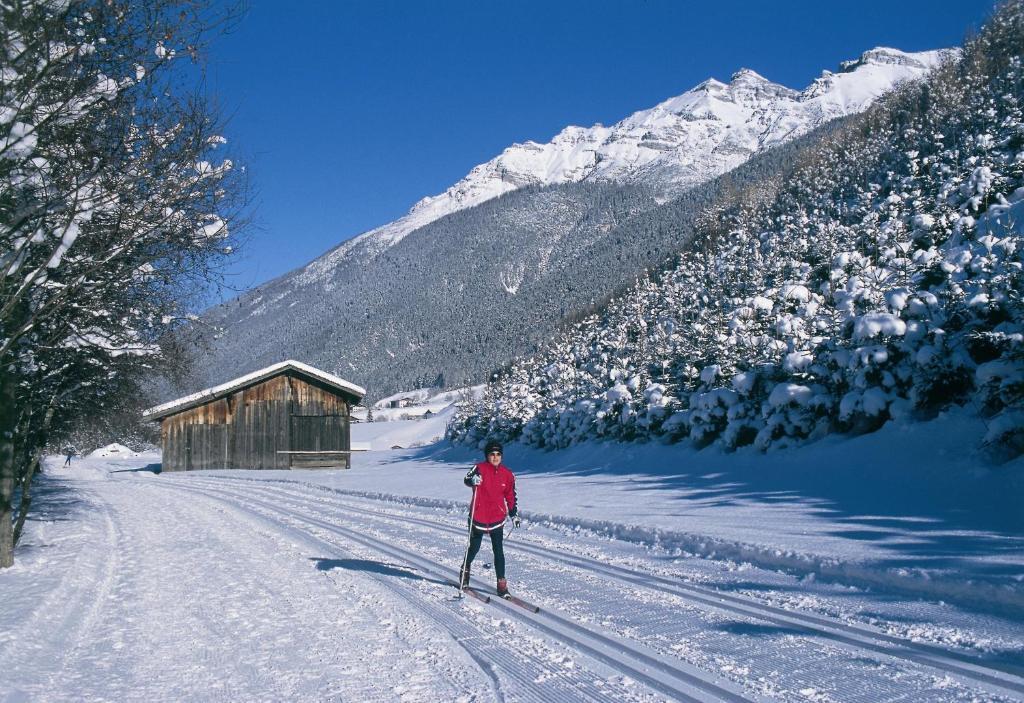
x=492, y=445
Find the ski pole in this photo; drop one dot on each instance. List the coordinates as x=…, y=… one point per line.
x=465, y=558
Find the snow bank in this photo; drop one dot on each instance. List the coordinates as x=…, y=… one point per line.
x=113, y=451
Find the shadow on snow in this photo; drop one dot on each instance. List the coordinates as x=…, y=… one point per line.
x=370, y=566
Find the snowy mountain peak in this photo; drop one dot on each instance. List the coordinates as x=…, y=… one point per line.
x=885, y=56
x=749, y=84
x=678, y=143
x=709, y=85
x=748, y=77
x=857, y=83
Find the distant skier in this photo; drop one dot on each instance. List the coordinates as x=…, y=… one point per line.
x=71, y=453
x=494, y=502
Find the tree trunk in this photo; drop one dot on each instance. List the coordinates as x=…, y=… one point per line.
x=26, y=498
x=39, y=441
x=8, y=422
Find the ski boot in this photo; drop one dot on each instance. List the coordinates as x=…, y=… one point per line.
x=503, y=588
x=464, y=576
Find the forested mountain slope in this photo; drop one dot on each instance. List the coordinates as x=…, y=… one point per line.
x=881, y=279
x=451, y=291
x=475, y=289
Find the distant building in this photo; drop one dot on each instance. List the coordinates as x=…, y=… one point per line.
x=285, y=416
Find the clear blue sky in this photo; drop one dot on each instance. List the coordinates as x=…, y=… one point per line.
x=348, y=112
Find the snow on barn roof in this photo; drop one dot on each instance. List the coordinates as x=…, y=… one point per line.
x=189, y=401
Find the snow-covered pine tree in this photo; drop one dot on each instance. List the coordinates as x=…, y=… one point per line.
x=876, y=277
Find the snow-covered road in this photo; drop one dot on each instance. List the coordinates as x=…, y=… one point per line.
x=196, y=587
x=174, y=596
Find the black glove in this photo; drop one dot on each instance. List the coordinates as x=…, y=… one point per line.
x=516, y=522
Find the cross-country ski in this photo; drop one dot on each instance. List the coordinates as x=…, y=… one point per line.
x=483, y=597
x=522, y=603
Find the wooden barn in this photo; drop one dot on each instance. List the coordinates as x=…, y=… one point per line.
x=285, y=416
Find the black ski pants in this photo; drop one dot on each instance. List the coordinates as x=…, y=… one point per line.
x=475, y=540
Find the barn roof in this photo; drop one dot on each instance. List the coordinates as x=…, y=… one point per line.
x=204, y=396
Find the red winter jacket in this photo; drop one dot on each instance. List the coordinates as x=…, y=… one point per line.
x=497, y=490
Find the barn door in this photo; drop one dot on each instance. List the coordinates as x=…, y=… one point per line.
x=319, y=433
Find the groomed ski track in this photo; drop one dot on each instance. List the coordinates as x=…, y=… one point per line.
x=675, y=680
x=248, y=587
x=320, y=513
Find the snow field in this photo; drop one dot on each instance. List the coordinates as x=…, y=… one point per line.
x=303, y=585
x=902, y=510
x=605, y=651
x=628, y=601
x=383, y=435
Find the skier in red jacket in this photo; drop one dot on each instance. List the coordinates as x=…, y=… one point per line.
x=494, y=502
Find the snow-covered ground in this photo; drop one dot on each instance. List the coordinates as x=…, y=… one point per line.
x=418, y=403
x=883, y=568
x=402, y=434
